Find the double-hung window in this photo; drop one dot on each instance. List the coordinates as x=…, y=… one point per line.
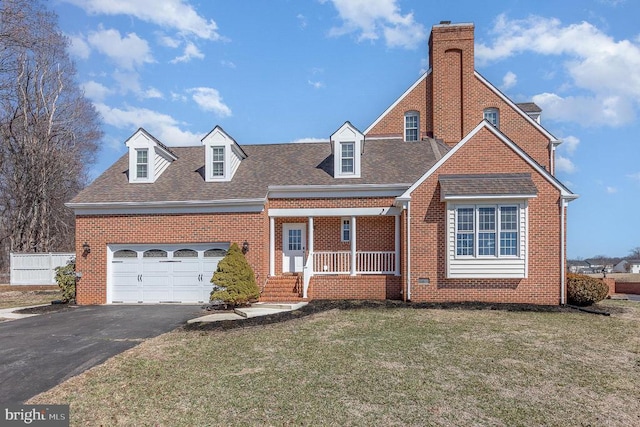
x=411, y=126
x=345, y=230
x=486, y=231
x=217, y=161
x=142, y=164
x=347, y=158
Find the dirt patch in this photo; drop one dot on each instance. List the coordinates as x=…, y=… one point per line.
x=43, y=309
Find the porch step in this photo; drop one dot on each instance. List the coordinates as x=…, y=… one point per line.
x=282, y=289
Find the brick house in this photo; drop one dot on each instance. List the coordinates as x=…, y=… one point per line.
x=449, y=195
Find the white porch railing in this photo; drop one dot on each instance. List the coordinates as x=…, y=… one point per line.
x=367, y=262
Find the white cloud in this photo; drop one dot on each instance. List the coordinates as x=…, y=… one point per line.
x=191, y=51
x=564, y=164
x=209, y=99
x=372, y=19
x=309, y=140
x=178, y=97
x=168, y=41
x=176, y=14
x=129, y=52
x=634, y=176
x=570, y=144
x=611, y=190
x=509, y=80
x=162, y=126
x=152, y=92
x=95, y=91
x=228, y=64
x=127, y=82
x=593, y=61
x=302, y=21
x=316, y=85
x=78, y=47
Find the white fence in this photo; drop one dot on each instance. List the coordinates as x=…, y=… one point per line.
x=37, y=269
x=371, y=262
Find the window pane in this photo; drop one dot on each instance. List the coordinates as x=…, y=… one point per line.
x=347, y=165
x=215, y=253
x=465, y=219
x=142, y=156
x=217, y=169
x=347, y=149
x=125, y=253
x=155, y=253
x=141, y=171
x=346, y=230
x=218, y=154
x=509, y=218
x=486, y=219
x=464, y=244
x=295, y=240
x=509, y=243
x=185, y=253
x=486, y=243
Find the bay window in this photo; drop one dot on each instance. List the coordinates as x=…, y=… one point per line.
x=486, y=231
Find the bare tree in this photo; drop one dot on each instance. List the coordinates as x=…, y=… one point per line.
x=48, y=131
x=635, y=253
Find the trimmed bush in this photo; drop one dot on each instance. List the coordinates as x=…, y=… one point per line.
x=234, y=281
x=66, y=280
x=585, y=290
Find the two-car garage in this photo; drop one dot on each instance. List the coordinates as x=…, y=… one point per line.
x=162, y=273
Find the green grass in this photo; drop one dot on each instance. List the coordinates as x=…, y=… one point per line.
x=376, y=367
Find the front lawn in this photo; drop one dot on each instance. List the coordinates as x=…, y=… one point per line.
x=376, y=366
x=22, y=296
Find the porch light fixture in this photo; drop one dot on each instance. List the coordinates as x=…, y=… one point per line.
x=245, y=247
x=86, y=249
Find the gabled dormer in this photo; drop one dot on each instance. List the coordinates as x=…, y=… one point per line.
x=148, y=157
x=347, y=145
x=222, y=156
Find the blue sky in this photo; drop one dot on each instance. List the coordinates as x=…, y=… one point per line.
x=295, y=70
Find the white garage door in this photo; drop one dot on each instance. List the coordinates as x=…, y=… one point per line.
x=162, y=273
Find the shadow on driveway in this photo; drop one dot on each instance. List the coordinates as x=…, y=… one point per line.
x=38, y=353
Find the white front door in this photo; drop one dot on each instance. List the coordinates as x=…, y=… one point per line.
x=293, y=246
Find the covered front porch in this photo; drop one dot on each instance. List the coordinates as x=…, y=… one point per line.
x=329, y=251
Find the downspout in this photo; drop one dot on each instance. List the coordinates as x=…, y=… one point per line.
x=563, y=205
x=408, y=296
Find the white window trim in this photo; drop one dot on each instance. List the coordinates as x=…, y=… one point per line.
x=412, y=114
x=476, y=231
x=492, y=110
x=347, y=133
x=138, y=163
x=223, y=161
x=352, y=157
x=343, y=222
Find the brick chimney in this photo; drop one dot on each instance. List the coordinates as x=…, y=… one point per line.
x=452, y=67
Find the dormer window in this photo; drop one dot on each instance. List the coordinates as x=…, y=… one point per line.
x=222, y=156
x=492, y=115
x=148, y=157
x=411, y=126
x=347, y=145
x=347, y=160
x=217, y=164
x=142, y=164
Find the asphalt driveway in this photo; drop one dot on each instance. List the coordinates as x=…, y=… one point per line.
x=39, y=352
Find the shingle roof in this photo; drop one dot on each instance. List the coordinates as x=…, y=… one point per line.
x=529, y=107
x=383, y=162
x=487, y=185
